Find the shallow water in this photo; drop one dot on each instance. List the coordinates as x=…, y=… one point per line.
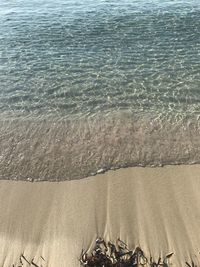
x=88, y=85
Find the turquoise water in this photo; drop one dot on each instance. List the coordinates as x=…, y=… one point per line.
x=117, y=82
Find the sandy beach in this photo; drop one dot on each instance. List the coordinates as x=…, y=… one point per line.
x=99, y=132
x=154, y=208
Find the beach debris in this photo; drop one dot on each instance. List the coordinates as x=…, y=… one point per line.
x=161, y=263
x=169, y=255
x=102, y=170
x=33, y=263
x=119, y=255
x=191, y=265
x=99, y=171
x=23, y=257
x=42, y=258
x=20, y=260
x=108, y=255
x=24, y=262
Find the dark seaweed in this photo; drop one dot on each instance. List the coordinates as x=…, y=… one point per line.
x=119, y=255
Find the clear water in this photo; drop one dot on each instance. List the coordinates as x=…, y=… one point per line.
x=89, y=85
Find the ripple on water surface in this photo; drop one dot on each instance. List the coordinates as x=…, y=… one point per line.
x=88, y=86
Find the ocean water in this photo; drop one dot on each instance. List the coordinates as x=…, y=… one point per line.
x=87, y=86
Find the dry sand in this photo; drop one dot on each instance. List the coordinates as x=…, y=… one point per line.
x=155, y=208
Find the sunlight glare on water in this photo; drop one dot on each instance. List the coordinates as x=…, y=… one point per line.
x=125, y=69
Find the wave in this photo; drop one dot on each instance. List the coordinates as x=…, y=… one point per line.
x=55, y=149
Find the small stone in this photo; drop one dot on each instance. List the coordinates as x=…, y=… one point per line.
x=101, y=171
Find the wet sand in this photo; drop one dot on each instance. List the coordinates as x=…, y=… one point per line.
x=155, y=208
x=59, y=149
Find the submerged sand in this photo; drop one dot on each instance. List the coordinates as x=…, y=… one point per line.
x=155, y=208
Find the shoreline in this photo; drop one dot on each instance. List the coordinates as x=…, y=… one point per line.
x=103, y=171
x=65, y=150
x=154, y=208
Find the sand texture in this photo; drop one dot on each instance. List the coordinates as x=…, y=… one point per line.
x=155, y=208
